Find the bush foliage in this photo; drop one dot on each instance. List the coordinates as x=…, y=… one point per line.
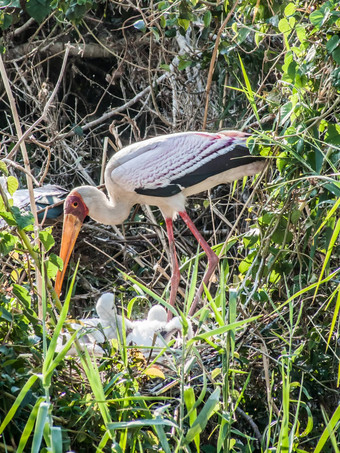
x=81, y=79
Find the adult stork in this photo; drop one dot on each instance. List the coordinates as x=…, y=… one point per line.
x=49, y=200
x=161, y=171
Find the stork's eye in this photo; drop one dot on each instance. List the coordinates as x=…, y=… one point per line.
x=75, y=204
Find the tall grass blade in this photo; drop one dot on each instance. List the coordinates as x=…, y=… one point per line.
x=328, y=216
x=332, y=241
x=17, y=402
x=335, y=315
x=40, y=426
x=29, y=426
x=328, y=431
x=249, y=91
x=56, y=439
x=189, y=400
x=220, y=330
x=203, y=417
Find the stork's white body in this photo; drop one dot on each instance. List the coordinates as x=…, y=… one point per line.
x=163, y=171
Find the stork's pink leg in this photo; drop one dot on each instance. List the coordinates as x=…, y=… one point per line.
x=175, y=274
x=211, y=255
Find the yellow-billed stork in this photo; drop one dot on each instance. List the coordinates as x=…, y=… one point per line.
x=161, y=171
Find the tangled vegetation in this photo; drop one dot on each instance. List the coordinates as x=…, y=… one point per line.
x=81, y=79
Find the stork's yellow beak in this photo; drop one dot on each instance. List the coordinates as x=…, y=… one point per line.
x=71, y=228
x=75, y=212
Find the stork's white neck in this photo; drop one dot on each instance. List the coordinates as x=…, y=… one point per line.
x=101, y=209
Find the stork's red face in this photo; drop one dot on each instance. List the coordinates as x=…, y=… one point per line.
x=75, y=211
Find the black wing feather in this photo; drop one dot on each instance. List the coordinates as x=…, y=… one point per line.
x=234, y=158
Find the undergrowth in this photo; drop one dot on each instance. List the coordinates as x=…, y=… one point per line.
x=261, y=372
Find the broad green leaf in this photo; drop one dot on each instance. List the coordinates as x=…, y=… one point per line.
x=333, y=43
x=242, y=34
x=317, y=17
x=301, y=33
x=12, y=184
x=140, y=25
x=296, y=214
x=290, y=9
x=3, y=168
x=6, y=315
x=184, y=23
x=22, y=219
x=203, y=417
x=207, y=18
x=183, y=64
x=336, y=55
x=22, y=294
x=38, y=9
x=47, y=239
x=284, y=26
x=7, y=243
x=8, y=217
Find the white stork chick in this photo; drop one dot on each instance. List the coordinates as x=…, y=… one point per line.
x=96, y=330
x=155, y=330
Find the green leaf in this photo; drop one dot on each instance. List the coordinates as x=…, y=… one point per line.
x=7, y=243
x=22, y=294
x=284, y=26
x=3, y=168
x=332, y=43
x=336, y=55
x=6, y=315
x=201, y=421
x=184, y=23
x=155, y=32
x=301, y=33
x=242, y=34
x=333, y=134
x=51, y=269
x=11, y=413
x=224, y=329
x=189, y=399
x=281, y=161
x=295, y=215
x=140, y=424
x=183, y=64
x=38, y=9
x=290, y=9
x=12, y=184
x=317, y=17
x=22, y=219
x=47, y=239
x=207, y=18
x=328, y=431
x=8, y=217
x=140, y=25
x=39, y=426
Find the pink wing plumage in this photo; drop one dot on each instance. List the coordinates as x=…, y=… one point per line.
x=163, y=166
